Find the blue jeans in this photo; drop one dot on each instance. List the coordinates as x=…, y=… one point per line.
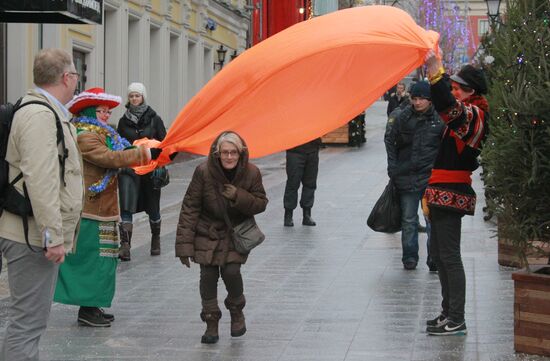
x=409, y=225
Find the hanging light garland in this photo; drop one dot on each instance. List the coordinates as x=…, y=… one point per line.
x=445, y=18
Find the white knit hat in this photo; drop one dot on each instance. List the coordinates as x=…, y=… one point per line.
x=137, y=88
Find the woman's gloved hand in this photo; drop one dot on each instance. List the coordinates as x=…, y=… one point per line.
x=155, y=152
x=229, y=192
x=185, y=261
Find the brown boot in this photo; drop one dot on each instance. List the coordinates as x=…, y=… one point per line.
x=210, y=314
x=155, y=238
x=125, y=241
x=235, y=307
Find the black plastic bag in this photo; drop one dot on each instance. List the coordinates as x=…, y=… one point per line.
x=386, y=213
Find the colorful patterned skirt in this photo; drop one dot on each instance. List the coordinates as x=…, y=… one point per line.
x=88, y=276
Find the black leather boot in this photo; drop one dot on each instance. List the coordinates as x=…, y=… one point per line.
x=288, y=218
x=307, y=220
x=155, y=238
x=125, y=241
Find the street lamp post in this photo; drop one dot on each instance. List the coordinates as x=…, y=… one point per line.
x=493, y=11
x=221, y=56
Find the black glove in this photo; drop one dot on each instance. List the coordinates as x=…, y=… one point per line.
x=155, y=152
x=185, y=261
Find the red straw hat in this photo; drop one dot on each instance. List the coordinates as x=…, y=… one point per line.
x=92, y=98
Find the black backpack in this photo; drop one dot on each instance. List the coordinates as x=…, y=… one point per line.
x=10, y=199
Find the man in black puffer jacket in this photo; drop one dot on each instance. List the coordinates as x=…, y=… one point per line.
x=412, y=142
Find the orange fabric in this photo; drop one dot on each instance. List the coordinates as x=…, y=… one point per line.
x=303, y=82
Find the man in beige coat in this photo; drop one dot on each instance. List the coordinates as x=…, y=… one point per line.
x=56, y=199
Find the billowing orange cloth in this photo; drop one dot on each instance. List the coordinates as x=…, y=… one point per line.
x=303, y=82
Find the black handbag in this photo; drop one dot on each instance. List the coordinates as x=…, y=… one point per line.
x=386, y=213
x=246, y=235
x=160, y=178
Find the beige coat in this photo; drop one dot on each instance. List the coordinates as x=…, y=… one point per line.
x=32, y=149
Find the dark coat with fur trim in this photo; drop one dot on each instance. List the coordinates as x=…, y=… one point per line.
x=202, y=232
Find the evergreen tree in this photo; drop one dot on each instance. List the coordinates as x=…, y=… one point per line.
x=516, y=156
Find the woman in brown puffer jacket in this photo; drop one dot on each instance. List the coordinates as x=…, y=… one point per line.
x=226, y=180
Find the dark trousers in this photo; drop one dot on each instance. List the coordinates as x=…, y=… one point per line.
x=445, y=251
x=301, y=168
x=231, y=276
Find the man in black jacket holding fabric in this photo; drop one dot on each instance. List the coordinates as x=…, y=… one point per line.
x=412, y=142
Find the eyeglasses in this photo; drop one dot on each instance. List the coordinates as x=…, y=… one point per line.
x=73, y=73
x=101, y=111
x=227, y=153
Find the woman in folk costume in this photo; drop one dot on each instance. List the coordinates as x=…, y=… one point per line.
x=449, y=196
x=87, y=278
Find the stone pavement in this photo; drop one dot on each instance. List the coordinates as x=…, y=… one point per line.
x=333, y=292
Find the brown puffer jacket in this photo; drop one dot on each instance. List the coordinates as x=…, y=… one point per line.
x=202, y=233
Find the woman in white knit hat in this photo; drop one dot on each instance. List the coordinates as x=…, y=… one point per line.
x=139, y=193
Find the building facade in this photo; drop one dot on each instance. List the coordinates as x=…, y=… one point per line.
x=271, y=16
x=169, y=45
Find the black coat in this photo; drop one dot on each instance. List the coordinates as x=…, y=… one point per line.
x=306, y=148
x=412, y=143
x=136, y=192
x=394, y=101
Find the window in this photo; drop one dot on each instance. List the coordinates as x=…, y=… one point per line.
x=79, y=59
x=482, y=27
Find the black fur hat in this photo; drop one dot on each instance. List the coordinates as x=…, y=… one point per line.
x=471, y=77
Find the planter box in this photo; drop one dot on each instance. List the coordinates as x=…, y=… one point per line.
x=532, y=311
x=507, y=253
x=337, y=136
x=352, y=134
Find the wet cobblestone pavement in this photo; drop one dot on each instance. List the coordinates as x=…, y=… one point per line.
x=334, y=292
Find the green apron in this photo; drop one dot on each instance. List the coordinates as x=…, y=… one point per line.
x=88, y=276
